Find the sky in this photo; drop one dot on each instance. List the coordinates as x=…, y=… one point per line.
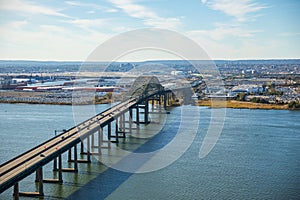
x=226, y=29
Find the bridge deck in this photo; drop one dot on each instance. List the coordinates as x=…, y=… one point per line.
x=18, y=168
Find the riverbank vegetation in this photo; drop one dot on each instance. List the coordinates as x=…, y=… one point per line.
x=239, y=104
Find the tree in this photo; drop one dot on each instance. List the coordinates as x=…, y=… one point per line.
x=241, y=96
x=293, y=105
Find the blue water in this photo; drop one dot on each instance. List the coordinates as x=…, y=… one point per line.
x=256, y=157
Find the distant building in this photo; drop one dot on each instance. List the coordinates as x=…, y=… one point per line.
x=177, y=73
x=5, y=82
x=248, y=72
x=253, y=89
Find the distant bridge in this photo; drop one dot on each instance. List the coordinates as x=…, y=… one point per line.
x=144, y=89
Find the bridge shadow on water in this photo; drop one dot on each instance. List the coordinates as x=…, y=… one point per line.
x=108, y=181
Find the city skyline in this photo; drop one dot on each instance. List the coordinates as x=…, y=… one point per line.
x=71, y=30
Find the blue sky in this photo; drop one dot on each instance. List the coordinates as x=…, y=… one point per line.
x=226, y=29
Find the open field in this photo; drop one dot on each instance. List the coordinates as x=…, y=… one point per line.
x=239, y=104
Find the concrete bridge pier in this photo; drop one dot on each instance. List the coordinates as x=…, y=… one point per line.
x=116, y=135
x=39, y=179
x=75, y=160
x=117, y=130
x=70, y=155
x=16, y=191
x=55, y=165
x=121, y=129
x=137, y=115
x=130, y=120
x=152, y=104
x=169, y=96
x=100, y=140
x=56, y=169
x=40, y=192
x=88, y=150
x=81, y=147
x=159, y=103
x=93, y=140
x=146, y=113
x=165, y=101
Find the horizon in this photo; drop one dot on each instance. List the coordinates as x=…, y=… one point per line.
x=82, y=61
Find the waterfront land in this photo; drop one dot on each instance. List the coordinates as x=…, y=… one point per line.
x=240, y=105
x=66, y=99
x=252, y=84
x=54, y=98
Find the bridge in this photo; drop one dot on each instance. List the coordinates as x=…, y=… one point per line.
x=145, y=89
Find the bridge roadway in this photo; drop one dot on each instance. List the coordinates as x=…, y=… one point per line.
x=23, y=165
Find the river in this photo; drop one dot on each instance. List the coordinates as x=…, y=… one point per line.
x=255, y=157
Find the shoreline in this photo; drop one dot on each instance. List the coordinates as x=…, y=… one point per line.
x=49, y=98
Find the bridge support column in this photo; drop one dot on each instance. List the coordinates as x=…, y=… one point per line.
x=146, y=113
x=165, y=101
x=123, y=122
x=152, y=104
x=70, y=155
x=16, y=191
x=100, y=140
x=88, y=149
x=159, y=102
x=130, y=120
x=55, y=164
x=109, y=134
x=39, y=176
x=39, y=179
x=75, y=159
x=41, y=187
x=36, y=176
x=81, y=147
x=93, y=140
x=122, y=125
x=117, y=131
x=60, y=169
x=137, y=117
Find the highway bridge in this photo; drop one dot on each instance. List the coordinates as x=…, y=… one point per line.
x=144, y=90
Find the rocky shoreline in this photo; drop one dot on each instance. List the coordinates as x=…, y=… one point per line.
x=47, y=98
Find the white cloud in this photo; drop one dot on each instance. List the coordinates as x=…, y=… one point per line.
x=47, y=42
x=240, y=9
x=289, y=34
x=18, y=24
x=149, y=17
x=88, y=24
x=226, y=41
x=167, y=23
x=25, y=7
x=92, y=6
x=222, y=31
